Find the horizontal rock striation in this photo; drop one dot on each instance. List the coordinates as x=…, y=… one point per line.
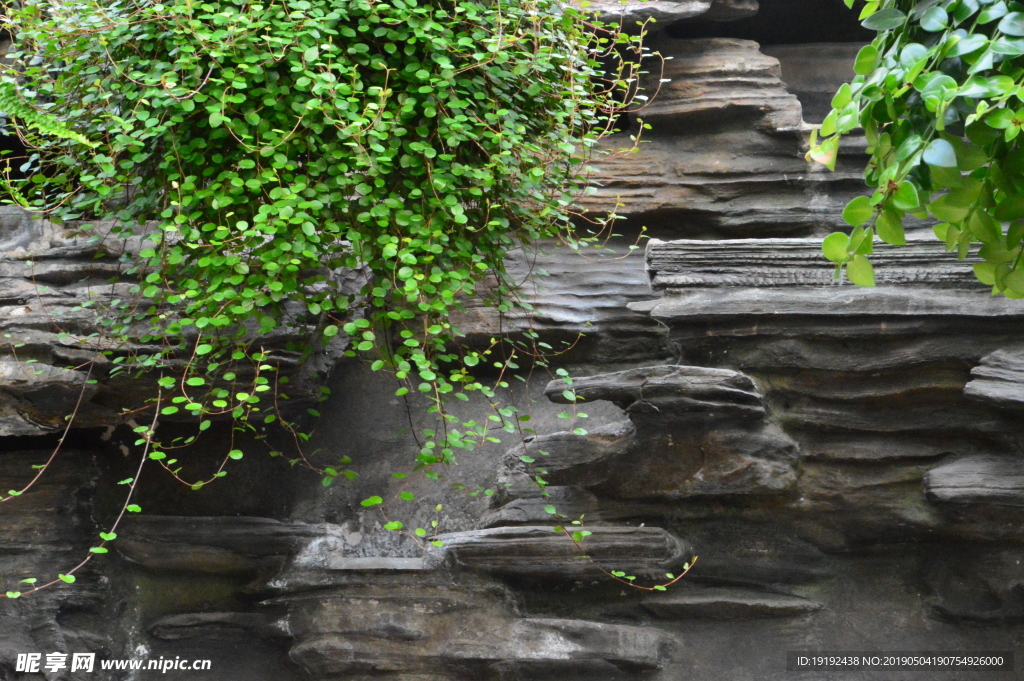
x=844, y=462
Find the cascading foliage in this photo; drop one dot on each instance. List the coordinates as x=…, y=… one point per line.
x=270, y=143
x=938, y=94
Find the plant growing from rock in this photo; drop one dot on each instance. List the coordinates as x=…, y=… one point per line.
x=261, y=148
x=938, y=94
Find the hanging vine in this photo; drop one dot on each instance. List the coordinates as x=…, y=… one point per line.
x=261, y=149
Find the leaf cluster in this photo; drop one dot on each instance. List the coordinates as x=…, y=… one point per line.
x=266, y=148
x=938, y=95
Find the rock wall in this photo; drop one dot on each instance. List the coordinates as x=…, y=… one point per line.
x=846, y=463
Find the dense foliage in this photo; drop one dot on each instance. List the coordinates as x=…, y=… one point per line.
x=264, y=149
x=271, y=143
x=938, y=94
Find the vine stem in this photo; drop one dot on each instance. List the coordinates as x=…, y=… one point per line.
x=124, y=507
x=60, y=442
x=628, y=582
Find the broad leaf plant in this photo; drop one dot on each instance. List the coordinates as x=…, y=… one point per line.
x=939, y=96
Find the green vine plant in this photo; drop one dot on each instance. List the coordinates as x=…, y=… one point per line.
x=938, y=95
x=260, y=148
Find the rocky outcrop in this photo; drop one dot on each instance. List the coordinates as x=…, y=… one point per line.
x=59, y=286
x=727, y=604
x=999, y=379
x=978, y=480
x=540, y=551
x=844, y=462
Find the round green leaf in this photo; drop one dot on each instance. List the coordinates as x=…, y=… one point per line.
x=858, y=211
x=940, y=153
x=1012, y=24
x=1015, y=281
x=834, y=247
x=906, y=197
x=890, y=228
x=934, y=20
x=372, y=501
x=860, y=272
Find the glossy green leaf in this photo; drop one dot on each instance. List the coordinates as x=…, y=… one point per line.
x=1012, y=24
x=906, y=197
x=934, y=20
x=940, y=153
x=867, y=58
x=884, y=20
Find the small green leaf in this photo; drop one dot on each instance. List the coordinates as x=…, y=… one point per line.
x=67, y=579
x=1013, y=24
x=884, y=20
x=108, y=536
x=133, y=508
x=235, y=454
x=906, y=196
x=940, y=153
x=858, y=211
x=860, y=272
x=406, y=496
x=890, y=228
x=393, y=525
x=934, y=20
x=867, y=58
x=550, y=509
x=834, y=247
x=13, y=594
x=98, y=549
x=372, y=501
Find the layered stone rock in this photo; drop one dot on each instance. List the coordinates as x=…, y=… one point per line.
x=999, y=379
x=57, y=287
x=726, y=153
x=843, y=461
x=542, y=552
x=727, y=604
x=978, y=480
x=399, y=618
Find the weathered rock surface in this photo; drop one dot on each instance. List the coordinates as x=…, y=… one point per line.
x=726, y=153
x=999, y=379
x=55, y=360
x=978, y=480
x=538, y=551
x=672, y=392
x=844, y=462
x=727, y=604
x=663, y=13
